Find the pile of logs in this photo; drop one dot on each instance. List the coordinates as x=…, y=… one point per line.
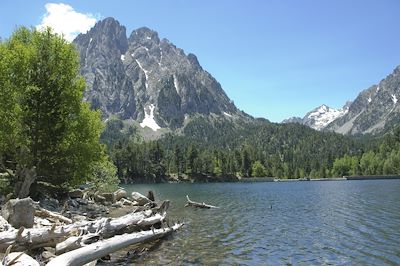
x=77, y=241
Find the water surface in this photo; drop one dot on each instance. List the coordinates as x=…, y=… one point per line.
x=282, y=223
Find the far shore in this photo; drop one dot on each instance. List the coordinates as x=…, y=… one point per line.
x=344, y=178
x=210, y=179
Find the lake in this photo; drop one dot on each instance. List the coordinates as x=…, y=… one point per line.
x=282, y=223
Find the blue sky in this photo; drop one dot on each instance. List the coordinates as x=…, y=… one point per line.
x=274, y=59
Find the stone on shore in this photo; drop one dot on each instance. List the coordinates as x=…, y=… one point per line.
x=19, y=259
x=110, y=197
x=142, y=200
x=77, y=193
x=120, y=193
x=19, y=212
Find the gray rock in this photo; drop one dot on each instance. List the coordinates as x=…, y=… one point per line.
x=74, y=203
x=142, y=200
x=83, y=201
x=110, y=197
x=77, y=193
x=47, y=255
x=19, y=212
x=120, y=193
x=50, y=204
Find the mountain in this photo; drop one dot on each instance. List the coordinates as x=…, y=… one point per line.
x=320, y=117
x=146, y=79
x=375, y=110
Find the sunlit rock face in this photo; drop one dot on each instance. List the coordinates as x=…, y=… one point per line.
x=146, y=79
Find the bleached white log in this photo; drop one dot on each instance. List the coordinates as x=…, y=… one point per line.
x=40, y=212
x=198, y=205
x=100, y=249
x=22, y=238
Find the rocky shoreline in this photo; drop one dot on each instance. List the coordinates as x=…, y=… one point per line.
x=51, y=231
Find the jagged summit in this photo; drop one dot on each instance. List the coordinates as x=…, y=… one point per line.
x=319, y=117
x=129, y=77
x=375, y=109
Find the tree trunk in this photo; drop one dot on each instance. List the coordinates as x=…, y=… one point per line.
x=27, y=177
x=102, y=248
x=22, y=238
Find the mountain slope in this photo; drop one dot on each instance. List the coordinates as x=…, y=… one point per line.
x=146, y=79
x=375, y=109
x=320, y=117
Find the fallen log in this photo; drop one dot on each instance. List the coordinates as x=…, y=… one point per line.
x=100, y=249
x=23, y=239
x=198, y=205
x=43, y=213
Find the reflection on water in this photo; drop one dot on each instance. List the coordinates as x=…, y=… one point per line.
x=301, y=223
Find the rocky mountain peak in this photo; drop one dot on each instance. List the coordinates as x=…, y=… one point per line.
x=320, y=117
x=107, y=32
x=147, y=80
x=374, y=110
x=144, y=36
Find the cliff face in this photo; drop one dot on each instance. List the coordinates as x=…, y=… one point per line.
x=143, y=77
x=375, y=109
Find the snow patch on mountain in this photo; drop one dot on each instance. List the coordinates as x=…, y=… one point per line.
x=320, y=117
x=148, y=120
x=227, y=114
x=176, y=84
x=394, y=98
x=145, y=73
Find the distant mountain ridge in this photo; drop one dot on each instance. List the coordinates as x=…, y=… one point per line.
x=146, y=79
x=149, y=80
x=319, y=117
x=375, y=110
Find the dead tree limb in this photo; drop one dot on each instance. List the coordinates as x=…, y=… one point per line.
x=198, y=205
x=23, y=239
x=100, y=249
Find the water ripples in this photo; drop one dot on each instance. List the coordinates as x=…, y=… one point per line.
x=301, y=223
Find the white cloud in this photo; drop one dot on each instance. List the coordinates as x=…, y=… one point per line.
x=65, y=20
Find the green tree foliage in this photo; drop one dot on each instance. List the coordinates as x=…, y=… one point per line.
x=258, y=170
x=383, y=159
x=213, y=147
x=46, y=124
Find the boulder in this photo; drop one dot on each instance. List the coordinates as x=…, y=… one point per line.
x=50, y=204
x=142, y=200
x=19, y=259
x=77, y=193
x=19, y=212
x=120, y=193
x=82, y=201
x=110, y=197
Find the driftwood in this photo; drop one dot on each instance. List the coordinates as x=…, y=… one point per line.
x=198, y=205
x=23, y=239
x=43, y=213
x=81, y=242
x=99, y=249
